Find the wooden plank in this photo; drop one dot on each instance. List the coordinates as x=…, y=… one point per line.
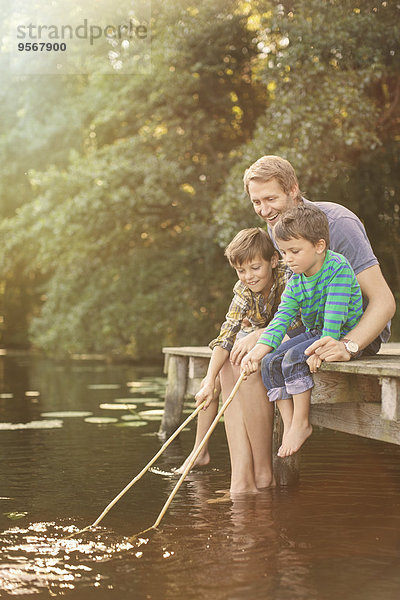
x=166, y=364
x=390, y=398
x=174, y=395
x=202, y=351
x=380, y=365
x=330, y=387
x=193, y=386
x=197, y=367
x=334, y=388
x=390, y=348
x=358, y=419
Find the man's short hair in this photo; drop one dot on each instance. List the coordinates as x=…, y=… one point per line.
x=249, y=244
x=304, y=221
x=271, y=167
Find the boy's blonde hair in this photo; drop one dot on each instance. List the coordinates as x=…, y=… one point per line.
x=304, y=221
x=249, y=244
x=272, y=167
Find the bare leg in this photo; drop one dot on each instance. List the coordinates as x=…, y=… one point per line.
x=300, y=428
x=204, y=420
x=248, y=424
x=285, y=407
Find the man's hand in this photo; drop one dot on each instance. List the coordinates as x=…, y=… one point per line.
x=243, y=346
x=328, y=349
x=314, y=362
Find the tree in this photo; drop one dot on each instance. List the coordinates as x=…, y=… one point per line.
x=121, y=239
x=332, y=72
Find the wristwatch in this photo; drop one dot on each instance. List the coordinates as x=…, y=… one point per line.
x=351, y=347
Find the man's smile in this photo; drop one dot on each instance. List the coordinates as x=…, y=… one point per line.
x=273, y=218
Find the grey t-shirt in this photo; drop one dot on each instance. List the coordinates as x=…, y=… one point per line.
x=348, y=236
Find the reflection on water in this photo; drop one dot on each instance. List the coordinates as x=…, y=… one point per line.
x=337, y=535
x=40, y=557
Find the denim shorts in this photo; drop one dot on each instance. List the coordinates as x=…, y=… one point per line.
x=285, y=371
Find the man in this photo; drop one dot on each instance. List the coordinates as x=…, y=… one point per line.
x=272, y=186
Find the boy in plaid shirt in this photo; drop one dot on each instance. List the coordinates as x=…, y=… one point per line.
x=262, y=279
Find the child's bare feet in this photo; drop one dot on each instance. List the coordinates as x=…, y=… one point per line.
x=226, y=497
x=264, y=484
x=201, y=461
x=294, y=439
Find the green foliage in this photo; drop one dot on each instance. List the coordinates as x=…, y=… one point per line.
x=117, y=192
x=332, y=71
x=121, y=235
x=333, y=76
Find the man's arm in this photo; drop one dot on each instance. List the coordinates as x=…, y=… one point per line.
x=381, y=308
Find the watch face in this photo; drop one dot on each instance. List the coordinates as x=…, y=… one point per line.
x=352, y=346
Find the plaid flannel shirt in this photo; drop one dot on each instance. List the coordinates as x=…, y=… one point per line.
x=254, y=307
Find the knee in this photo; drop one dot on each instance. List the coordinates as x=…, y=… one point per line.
x=227, y=370
x=266, y=368
x=265, y=362
x=291, y=357
x=292, y=361
x=227, y=366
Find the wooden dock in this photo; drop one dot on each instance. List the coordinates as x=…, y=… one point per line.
x=361, y=397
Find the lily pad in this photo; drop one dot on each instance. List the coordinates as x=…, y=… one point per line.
x=131, y=418
x=15, y=515
x=64, y=414
x=156, y=380
x=144, y=399
x=152, y=415
x=54, y=424
x=108, y=406
x=104, y=386
x=155, y=404
x=101, y=420
x=144, y=389
x=131, y=424
x=141, y=400
x=140, y=384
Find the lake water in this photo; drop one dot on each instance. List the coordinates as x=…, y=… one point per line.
x=336, y=535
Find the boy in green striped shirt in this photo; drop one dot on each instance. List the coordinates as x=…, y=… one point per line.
x=325, y=289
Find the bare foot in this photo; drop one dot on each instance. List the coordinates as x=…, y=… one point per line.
x=294, y=440
x=287, y=424
x=201, y=461
x=226, y=497
x=242, y=490
x=266, y=483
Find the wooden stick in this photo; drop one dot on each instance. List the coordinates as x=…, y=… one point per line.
x=142, y=472
x=193, y=458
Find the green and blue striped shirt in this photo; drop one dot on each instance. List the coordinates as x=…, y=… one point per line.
x=330, y=301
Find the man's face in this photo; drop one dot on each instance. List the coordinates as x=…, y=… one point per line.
x=270, y=201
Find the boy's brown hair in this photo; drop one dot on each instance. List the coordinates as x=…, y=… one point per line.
x=249, y=244
x=272, y=167
x=304, y=221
